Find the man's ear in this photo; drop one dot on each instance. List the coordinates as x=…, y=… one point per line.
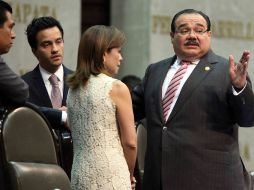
x=171, y=36
x=209, y=33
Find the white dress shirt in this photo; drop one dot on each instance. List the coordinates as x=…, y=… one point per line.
x=60, y=75
x=45, y=76
x=170, y=75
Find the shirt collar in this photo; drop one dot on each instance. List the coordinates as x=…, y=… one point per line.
x=178, y=61
x=45, y=74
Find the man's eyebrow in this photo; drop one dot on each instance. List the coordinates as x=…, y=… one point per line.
x=46, y=41
x=182, y=25
x=185, y=25
x=199, y=24
x=60, y=38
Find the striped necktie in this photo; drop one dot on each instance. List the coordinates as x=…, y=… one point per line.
x=56, y=97
x=172, y=88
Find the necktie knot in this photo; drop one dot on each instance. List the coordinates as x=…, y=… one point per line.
x=183, y=62
x=53, y=80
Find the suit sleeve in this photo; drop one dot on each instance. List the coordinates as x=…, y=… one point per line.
x=243, y=106
x=13, y=90
x=138, y=98
x=54, y=117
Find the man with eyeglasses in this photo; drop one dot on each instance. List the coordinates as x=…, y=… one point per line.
x=193, y=103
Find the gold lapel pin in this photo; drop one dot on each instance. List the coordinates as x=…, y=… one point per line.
x=207, y=68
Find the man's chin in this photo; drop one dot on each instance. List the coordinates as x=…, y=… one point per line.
x=57, y=63
x=4, y=51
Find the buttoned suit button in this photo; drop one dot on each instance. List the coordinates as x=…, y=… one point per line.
x=164, y=128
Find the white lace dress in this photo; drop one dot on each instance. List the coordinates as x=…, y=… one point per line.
x=98, y=162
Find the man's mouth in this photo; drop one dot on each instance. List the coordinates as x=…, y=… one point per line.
x=56, y=57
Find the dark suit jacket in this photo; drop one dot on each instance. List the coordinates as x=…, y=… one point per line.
x=39, y=95
x=13, y=93
x=197, y=148
x=13, y=90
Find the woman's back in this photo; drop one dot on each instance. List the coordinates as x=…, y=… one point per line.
x=99, y=161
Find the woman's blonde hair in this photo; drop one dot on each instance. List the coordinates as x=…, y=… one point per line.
x=94, y=42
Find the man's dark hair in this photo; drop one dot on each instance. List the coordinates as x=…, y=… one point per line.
x=190, y=11
x=4, y=7
x=39, y=24
x=131, y=81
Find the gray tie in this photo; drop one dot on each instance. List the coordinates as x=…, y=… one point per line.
x=56, y=97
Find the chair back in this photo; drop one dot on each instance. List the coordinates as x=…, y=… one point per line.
x=30, y=158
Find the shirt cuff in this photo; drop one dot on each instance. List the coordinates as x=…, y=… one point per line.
x=237, y=92
x=64, y=117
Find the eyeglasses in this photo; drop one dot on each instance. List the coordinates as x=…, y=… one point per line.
x=186, y=31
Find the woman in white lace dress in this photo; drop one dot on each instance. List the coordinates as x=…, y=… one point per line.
x=100, y=115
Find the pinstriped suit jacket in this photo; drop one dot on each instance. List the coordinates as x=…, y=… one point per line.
x=197, y=148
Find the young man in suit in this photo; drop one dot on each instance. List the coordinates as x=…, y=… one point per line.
x=13, y=90
x=45, y=36
x=192, y=129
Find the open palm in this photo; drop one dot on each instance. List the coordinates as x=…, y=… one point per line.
x=238, y=72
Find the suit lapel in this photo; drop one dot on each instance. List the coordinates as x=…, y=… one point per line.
x=201, y=71
x=41, y=88
x=65, y=87
x=163, y=72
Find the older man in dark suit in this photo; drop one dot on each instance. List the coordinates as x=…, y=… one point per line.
x=47, y=85
x=193, y=102
x=13, y=90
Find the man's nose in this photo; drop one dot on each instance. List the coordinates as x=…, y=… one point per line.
x=192, y=33
x=54, y=48
x=13, y=35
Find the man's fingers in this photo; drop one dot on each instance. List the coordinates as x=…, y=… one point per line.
x=245, y=57
x=231, y=64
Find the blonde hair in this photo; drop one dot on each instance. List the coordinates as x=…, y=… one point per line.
x=94, y=42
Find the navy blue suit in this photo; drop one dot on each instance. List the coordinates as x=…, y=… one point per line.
x=39, y=95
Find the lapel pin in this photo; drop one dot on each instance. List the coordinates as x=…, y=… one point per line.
x=207, y=68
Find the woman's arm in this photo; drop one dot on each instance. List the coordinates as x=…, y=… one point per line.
x=121, y=96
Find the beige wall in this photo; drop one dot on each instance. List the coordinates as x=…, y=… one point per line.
x=133, y=17
x=146, y=24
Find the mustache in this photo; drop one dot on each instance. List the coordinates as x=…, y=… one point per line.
x=191, y=42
